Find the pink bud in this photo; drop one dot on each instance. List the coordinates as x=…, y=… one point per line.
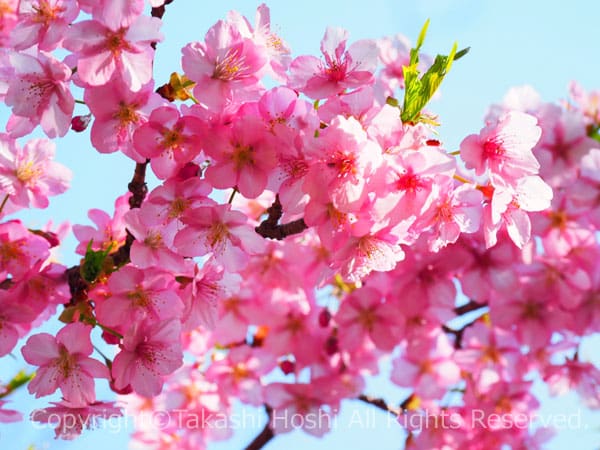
x=324, y=317
x=287, y=366
x=80, y=123
x=331, y=345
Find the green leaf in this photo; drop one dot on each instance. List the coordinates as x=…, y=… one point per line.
x=17, y=381
x=594, y=132
x=93, y=263
x=420, y=89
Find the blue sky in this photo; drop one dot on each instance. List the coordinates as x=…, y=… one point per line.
x=513, y=42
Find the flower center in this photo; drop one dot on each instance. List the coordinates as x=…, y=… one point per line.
x=231, y=67
x=126, y=113
x=409, y=182
x=153, y=240
x=45, y=13
x=115, y=42
x=242, y=155
x=28, y=173
x=65, y=362
x=344, y=163
x=493, y=148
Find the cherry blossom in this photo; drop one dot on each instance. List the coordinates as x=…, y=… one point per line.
x=38, y=91
x=104, y=49
x=149, y=352
x=64, y=363
x=341, y=70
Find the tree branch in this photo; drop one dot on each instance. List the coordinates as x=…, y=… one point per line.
x=468, y=307
x=379, y=403
x=138, y=188
x=271, y=228
x=265, y=435
x=461, y=310
x=159, y=12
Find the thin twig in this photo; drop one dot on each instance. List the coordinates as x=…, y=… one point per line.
x=378, y=403
x=265, y=435
x=468, y=307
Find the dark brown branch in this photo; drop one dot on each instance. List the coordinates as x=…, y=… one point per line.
x=468, y=307
x=265, y=435
x=271, y=228
x=159, y=12
x=461, y=310
x=138, y=188
x=379, y=403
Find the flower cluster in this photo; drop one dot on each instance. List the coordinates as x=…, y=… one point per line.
x=349, y=235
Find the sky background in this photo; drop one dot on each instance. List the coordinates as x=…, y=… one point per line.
x=513, y=42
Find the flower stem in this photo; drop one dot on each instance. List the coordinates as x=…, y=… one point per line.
x=462, y=179
x=3, y=203
x=232, y=195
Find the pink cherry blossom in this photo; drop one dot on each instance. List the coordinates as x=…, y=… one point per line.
x=29, y=175
x=64, y=363
x=39, y=93
x=153, y=240
x=9, y=415
x=342, y=69
x=20, y=250
x=509, y=205
x=453, y=211
x=137, y=294
x=277, y=50
x=504, y=147
x=226, y=66
x=43, y=22
x=118, y=112
x=15, y=319
x=239, y=373
x=344, y=159
x=8, y=20
x=364, y=313
x=220, y=231
x=149, y=352
x=298, y=400
x=168, y=140
x=244, y=155
x=173, y=199
x=109, y=48
x=209, y=284
x=73, y=418
x=109, y=232
x=427, y=367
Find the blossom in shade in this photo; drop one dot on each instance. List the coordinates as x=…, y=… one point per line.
x=70, y=419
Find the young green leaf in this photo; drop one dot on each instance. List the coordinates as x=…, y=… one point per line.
x=93, y=263
x=419, y=90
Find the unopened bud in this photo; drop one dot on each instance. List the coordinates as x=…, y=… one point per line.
x=80, y=123
x=287, y=366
